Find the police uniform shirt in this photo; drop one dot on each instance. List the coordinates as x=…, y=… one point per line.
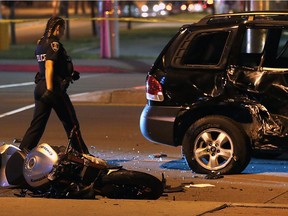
x=52, y=49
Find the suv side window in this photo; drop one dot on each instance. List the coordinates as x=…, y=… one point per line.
x=254, y=41
x=252, y=47
x=269, y=45
x=282, y=50
x=206, y=49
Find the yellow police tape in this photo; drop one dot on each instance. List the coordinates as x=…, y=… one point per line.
x=121, y=19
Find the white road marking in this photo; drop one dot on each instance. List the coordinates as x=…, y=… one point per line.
x=22, y=108
x=17, y=110
x=16, y=85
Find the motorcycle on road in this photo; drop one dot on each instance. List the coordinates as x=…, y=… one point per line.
x=43, y=172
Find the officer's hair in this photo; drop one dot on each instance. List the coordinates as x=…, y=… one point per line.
x=52, y=24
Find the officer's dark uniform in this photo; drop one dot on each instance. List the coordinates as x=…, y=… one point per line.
x=52, y=49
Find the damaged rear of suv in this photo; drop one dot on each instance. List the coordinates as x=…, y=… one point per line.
x=219, y=89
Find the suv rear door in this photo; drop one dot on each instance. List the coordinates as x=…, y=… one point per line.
x=198, y=64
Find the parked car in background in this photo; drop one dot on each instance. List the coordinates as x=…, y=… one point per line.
x=153, y=9
x=219, y=89
x=129, y=9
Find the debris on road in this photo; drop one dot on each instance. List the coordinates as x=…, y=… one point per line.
x=214, y=175
x=198, y=185
x=157, y=155
x=169, y=189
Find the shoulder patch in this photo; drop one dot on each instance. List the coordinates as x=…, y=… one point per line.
x=55, y=46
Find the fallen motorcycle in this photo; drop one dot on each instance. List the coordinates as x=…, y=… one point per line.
x=43, y=172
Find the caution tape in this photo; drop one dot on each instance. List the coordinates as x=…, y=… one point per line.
x=121, y=19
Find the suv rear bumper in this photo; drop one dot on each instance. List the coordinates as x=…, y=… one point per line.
x=157, y=123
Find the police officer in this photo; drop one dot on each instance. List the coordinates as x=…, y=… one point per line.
x=56, y=72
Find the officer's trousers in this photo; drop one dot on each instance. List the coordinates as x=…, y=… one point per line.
x=65, y=111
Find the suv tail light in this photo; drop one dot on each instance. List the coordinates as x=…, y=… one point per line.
x=153, y=89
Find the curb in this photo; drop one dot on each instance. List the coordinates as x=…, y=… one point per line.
x=83, y=66
x=44, y=206
x=130, y=96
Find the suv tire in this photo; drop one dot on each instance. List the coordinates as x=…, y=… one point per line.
x=216, y=143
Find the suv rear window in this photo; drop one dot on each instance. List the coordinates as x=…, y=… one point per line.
x=206, y=49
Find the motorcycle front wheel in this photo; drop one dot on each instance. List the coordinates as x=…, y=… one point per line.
x=128, y=184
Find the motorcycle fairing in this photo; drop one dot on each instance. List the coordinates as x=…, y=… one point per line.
x=38, y=164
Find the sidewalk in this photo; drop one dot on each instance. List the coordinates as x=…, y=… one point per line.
x=84, y=66
x=108, y=207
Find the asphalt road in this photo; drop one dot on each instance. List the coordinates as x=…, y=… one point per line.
x=112, y=132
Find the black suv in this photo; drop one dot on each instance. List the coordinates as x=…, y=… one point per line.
x=220, y=89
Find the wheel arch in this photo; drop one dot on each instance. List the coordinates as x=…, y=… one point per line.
x=188, y=116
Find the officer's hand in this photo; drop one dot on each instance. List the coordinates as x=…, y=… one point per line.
x=48, y=97
x=75, y=75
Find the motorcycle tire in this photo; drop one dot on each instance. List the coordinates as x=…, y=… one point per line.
x=127, y=184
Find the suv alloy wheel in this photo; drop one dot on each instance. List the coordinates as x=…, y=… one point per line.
x=216, y=143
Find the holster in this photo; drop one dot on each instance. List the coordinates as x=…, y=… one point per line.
x=37, y=77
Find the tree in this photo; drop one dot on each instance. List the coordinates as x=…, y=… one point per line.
x=11, y=5
x=93, y=15
x=64, y=11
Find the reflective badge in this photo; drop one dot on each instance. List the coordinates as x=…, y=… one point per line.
x=55, y=46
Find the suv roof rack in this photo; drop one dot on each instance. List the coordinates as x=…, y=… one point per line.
x=244, y=16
